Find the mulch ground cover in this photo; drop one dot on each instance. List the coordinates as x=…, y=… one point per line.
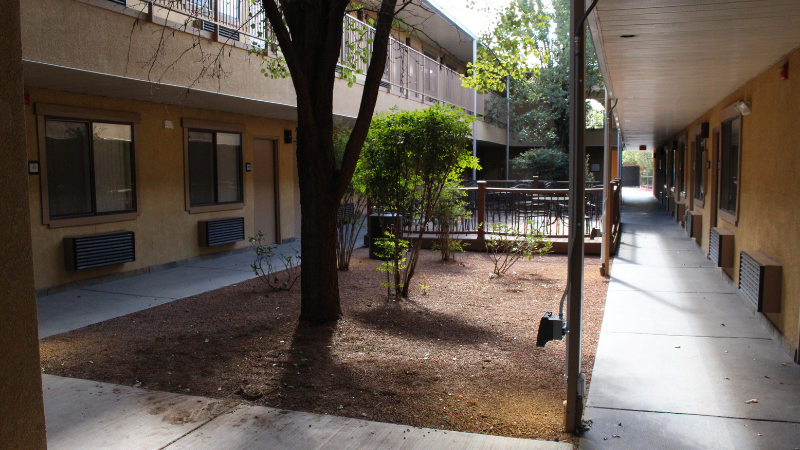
x=461, y=356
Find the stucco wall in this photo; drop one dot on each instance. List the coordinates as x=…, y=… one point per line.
x=164, y=230
x=769, y=219
x=21, y=407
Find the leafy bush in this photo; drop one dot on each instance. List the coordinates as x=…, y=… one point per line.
x=411, y=155
x=545, y=163
x=273, y=276
x=393, y=250
x=449, y=210
x=351, y=217
x=506, y=245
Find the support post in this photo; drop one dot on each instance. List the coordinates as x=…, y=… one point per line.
x=577, y=204
x=22, y=421
x=508, y=122
x=605, y=269
x=482, y=210
x=475, y=112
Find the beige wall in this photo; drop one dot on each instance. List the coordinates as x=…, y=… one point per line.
x=106, y=41
x=21, y=407
x=164, y=230
x=769, y=219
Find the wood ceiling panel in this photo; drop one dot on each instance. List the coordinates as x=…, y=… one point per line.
x=687, y=56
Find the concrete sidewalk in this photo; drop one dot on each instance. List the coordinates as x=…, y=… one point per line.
x=680, y=354
x=70, y=310
x=83, y=415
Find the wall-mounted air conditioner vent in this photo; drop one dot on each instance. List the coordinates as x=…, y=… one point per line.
x=720, y=247
x=220, y=231
x=228, y=33
x=693, y=222
x=205, y=25
x=760, y=281
x=98, y=250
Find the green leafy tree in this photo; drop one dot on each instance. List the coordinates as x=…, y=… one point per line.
x=643, y=159
x=545, y=163
x=411, y=156
x=539, y=90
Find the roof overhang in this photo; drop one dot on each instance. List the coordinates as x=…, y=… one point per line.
x=439, y=29
x=685, y=56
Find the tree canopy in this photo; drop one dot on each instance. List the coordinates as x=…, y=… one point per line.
x=539, y=70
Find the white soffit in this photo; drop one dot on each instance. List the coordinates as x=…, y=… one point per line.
x=686, y=56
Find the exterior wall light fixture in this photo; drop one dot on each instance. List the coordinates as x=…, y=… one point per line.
x=742, y=107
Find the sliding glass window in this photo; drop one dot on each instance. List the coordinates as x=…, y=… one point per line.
x=90, y=168
x=729, y=165
x=215, y=168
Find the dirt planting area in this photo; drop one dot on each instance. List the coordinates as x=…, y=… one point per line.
x=460, y=356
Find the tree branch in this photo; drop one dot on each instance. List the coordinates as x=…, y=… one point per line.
x=287, y=48
x=369, y=97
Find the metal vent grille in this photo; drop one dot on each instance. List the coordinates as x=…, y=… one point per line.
x=211, y=27
x=228, y=33
x=751, y=279
x=714, y=246
x=86, y=252
x=384, y=84
x=221, y=231
x=119, y=2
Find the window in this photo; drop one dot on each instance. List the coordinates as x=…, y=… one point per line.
x=681, y=164
x=699, y=170
x=729, y=165
x=89, y=168
x=215, y=167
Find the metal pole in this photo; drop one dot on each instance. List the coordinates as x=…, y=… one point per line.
x=508, y=121
x=606, y=252
x=577, y=204
x=475, y=112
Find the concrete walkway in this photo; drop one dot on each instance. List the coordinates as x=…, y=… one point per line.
x=680, y=354
x=70, y=310
x=85, y=415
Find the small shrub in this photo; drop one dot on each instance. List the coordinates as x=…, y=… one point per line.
x=393, y=249
x=448, y=211
x=271, y=274
x=506, y=245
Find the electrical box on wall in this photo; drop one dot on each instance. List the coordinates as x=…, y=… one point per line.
x=287, y=136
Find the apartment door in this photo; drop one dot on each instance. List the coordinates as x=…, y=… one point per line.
x=264, y=189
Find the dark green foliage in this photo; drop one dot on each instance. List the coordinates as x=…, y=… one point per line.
x=411, y=156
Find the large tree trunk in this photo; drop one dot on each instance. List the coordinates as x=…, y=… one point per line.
x=320, y=282
x=310, y=36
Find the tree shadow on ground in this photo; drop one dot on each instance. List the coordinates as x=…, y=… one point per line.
x=412, y=320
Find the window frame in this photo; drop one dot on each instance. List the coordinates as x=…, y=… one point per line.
x=214, y=127
x=680, y=159
x=699, y=158
x=45, y=111
x=730, y=114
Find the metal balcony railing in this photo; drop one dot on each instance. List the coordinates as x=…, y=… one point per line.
x=408, y=73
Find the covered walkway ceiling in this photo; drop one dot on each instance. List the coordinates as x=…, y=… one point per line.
x=685, y=56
